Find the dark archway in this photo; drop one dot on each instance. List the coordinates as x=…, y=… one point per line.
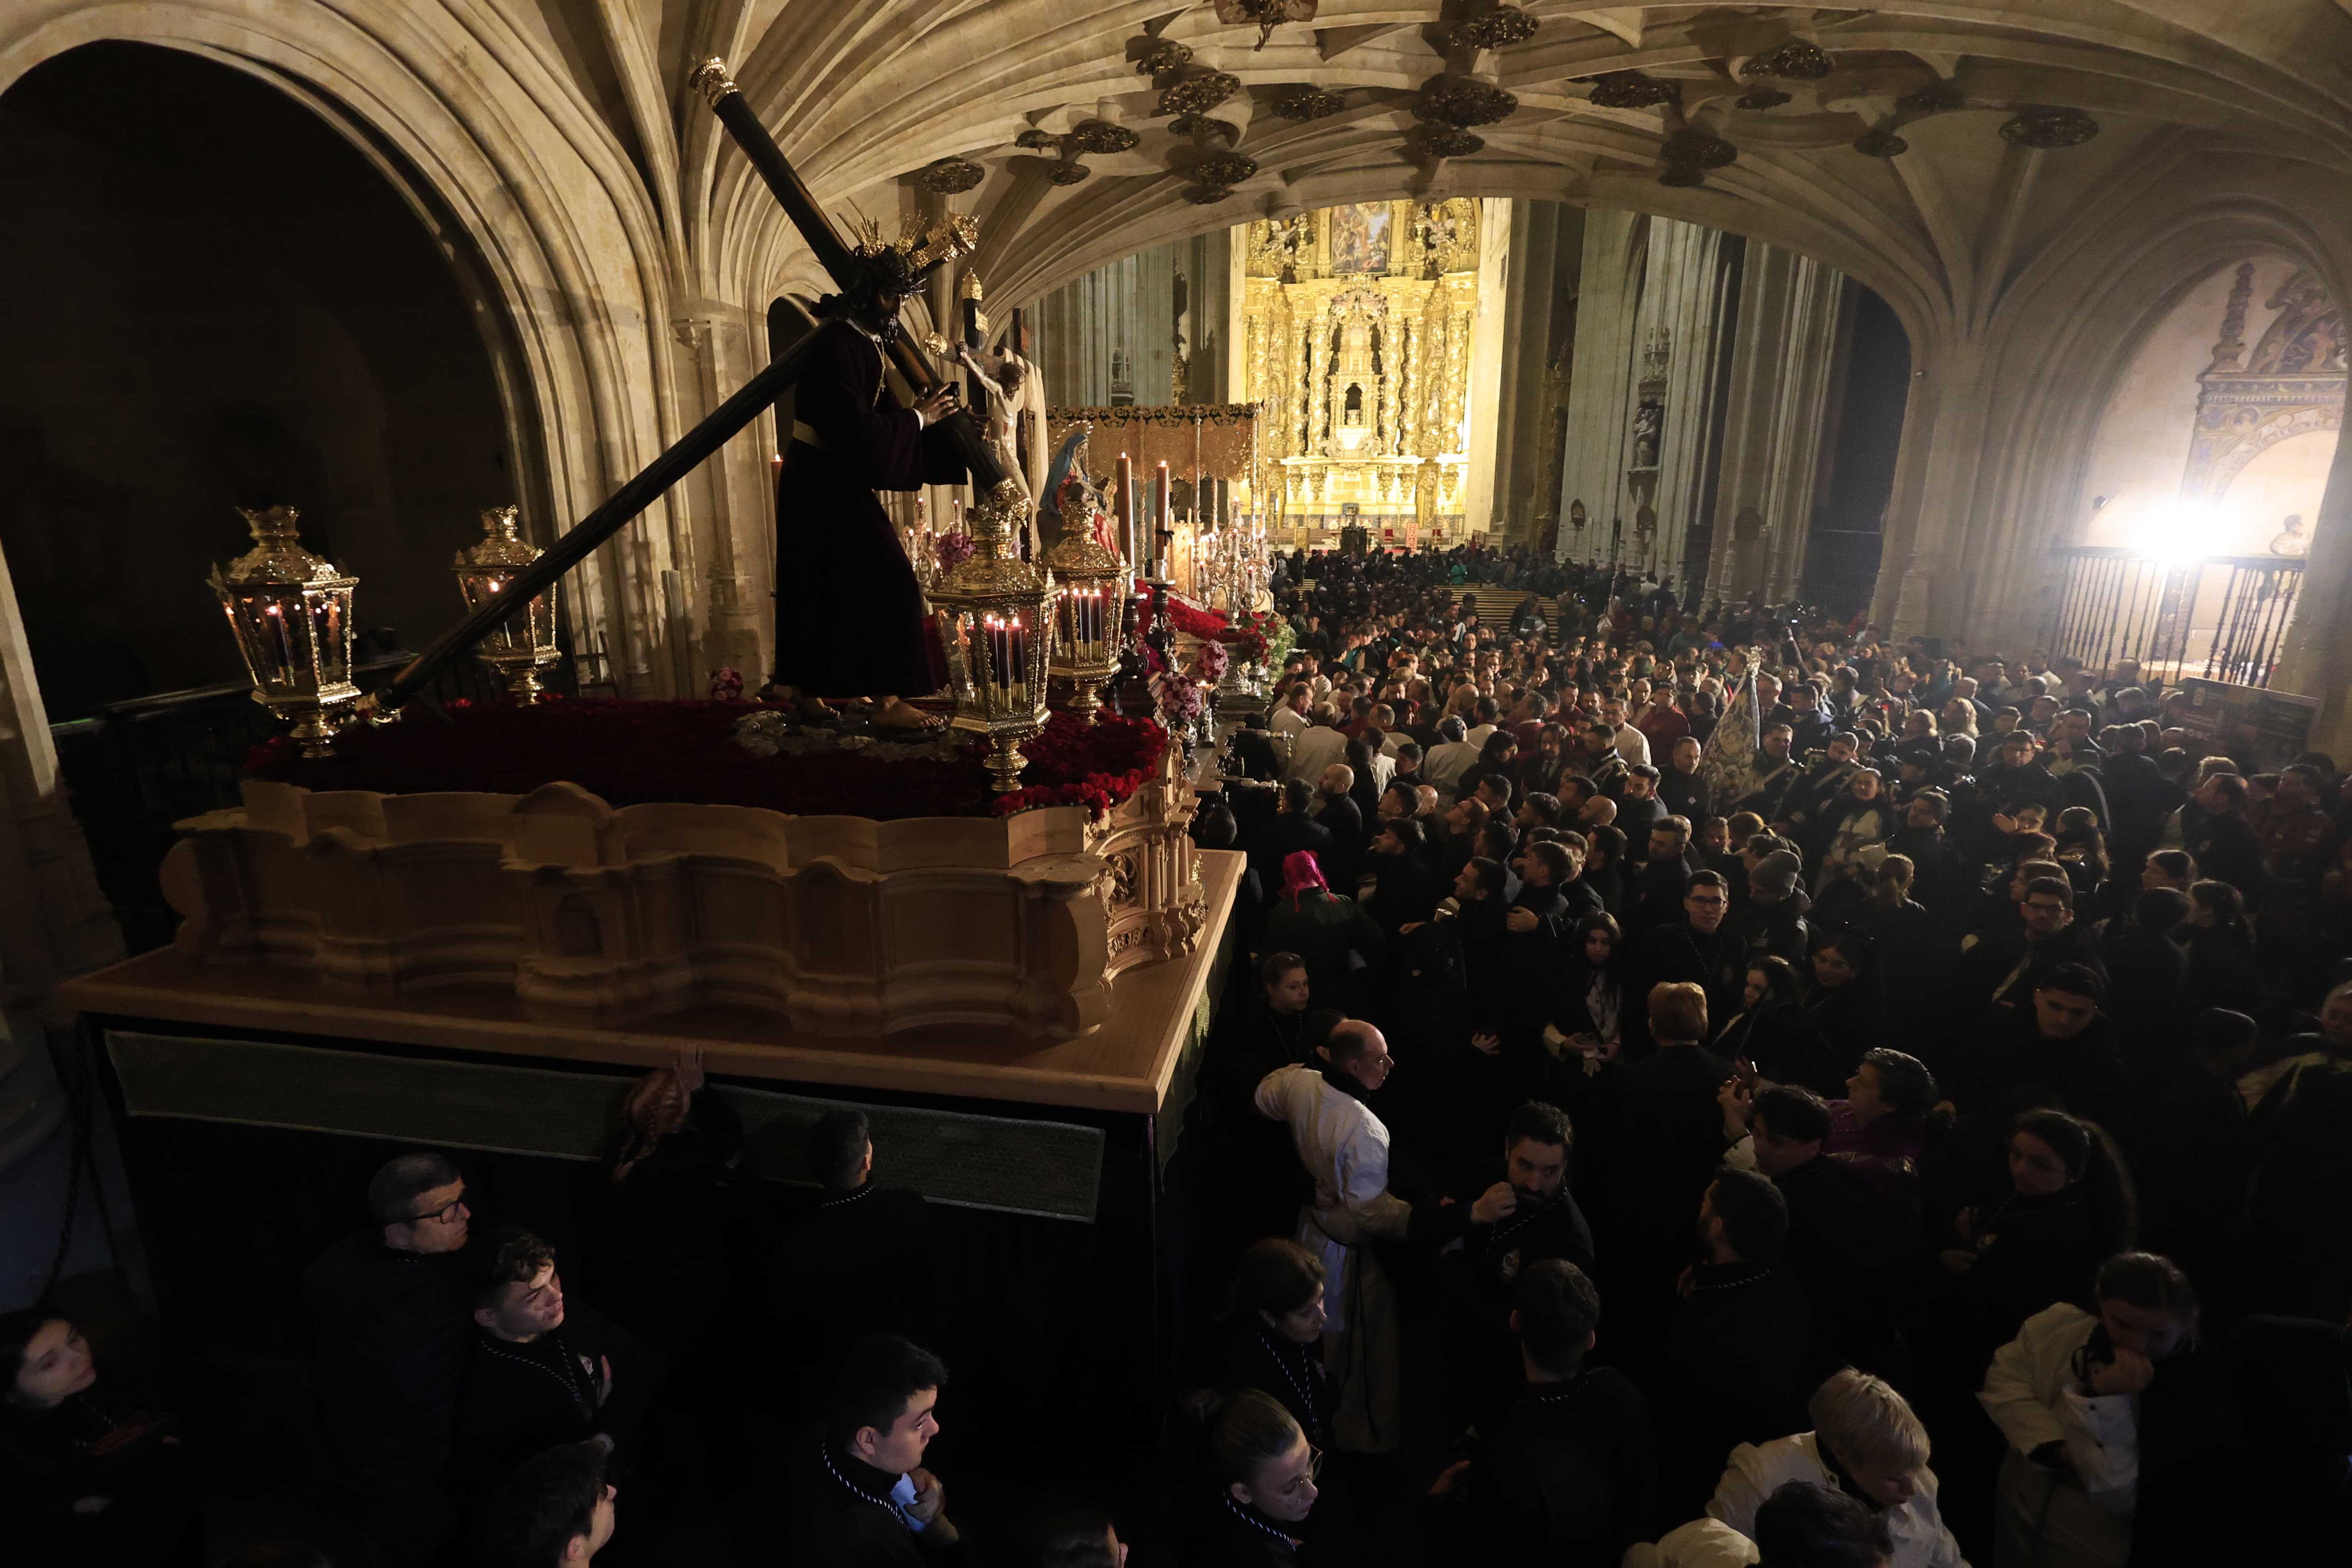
x=217, y=299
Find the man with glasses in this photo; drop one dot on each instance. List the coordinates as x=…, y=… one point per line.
x=1696, y=948
x=1998, y=970
x=390, y=1333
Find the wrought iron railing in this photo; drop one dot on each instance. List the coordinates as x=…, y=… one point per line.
x=134, y=768
x=2223, y=618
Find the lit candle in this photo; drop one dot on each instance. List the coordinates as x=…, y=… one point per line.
x=1163, y=501
x=1017, y=645
x=1123, y=503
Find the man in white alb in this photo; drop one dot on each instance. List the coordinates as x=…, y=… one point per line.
x=1346, y=1149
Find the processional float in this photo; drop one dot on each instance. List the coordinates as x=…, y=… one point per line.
x=992, y=610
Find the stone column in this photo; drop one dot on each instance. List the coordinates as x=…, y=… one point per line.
x=1783, y=352
x=1601, y=391
x=2318, y=657
x=54, y=922
x=1533, y=301
x=1685, y=297
x=1485, y=394
x=1920, y=580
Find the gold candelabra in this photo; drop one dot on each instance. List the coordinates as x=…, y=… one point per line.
x=291, y=612
x=524, y=643
x=991, y=614
x=1089, y=615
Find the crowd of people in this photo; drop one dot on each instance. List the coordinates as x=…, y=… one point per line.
x=1701, y=1085
x=1912, y=1049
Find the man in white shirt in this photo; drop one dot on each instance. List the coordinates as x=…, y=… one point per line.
x=1631, y=744
x=1485, y=712
x=1315, y=747
x=1345, y=1148
x=1447, y=761
x=1290, y=718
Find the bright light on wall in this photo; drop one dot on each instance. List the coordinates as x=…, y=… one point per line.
x=2180, y=531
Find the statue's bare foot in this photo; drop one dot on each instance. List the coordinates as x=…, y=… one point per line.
x=814, y=711
x=897, y=713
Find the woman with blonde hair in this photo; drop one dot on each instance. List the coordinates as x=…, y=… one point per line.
x=1865, y=1442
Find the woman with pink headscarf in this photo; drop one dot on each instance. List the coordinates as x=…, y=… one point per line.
x=1328, y=929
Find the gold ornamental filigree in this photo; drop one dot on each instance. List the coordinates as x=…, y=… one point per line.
x=712, y=81
x=1936, y=98
x=291, y=612
x=1698, y=149
x=1308, y=103
x=1199, y=125
x=2049, y=128
x=991, y=615
x=1102, y=136
x=1225, y=169
x=1448, y=142
x=1498, y=29
x=1460, y=100
x=950, y=176
x=1163, y=56
x=524, y=643
x=1197, y=95
x=1631, y=89
x=1795, y=60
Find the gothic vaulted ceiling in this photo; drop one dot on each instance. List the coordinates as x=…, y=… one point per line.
x=1931, y=147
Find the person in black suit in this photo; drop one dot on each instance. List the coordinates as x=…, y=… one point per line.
x=1260, y=1518
x=1569, y=1476
x=1499, y=1220
x=859, y=1264
x=1698, y=949
x=1735, y=1364
x=1787, y=1131
x=542, y=1367
x=1669, y=1142
x=390, y=1340
x=1294, y=828
x=556, y=1510
x=856, y=1493
x=1271, y=1338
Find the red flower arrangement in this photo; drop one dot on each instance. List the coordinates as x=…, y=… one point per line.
x=632, y=752
x=1209, y=625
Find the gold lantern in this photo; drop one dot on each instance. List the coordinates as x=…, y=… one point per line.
x=1089, y=614
x=990, y=612
x=291, y=612
x=524, y=643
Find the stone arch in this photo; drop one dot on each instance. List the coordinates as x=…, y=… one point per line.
x=1982, y=478
x=571, y=255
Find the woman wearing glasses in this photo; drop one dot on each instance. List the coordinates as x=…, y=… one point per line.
x=1268, y=1471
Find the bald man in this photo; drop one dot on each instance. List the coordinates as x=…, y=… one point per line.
x=1345, y=1148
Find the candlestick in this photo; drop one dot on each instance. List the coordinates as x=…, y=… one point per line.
x=1163, y=499
x=1123, y=503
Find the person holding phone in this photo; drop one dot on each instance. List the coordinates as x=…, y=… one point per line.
x=2074, y=1394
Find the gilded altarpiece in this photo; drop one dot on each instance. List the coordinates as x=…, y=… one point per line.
x=2291, y=383
x=1358, y=337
